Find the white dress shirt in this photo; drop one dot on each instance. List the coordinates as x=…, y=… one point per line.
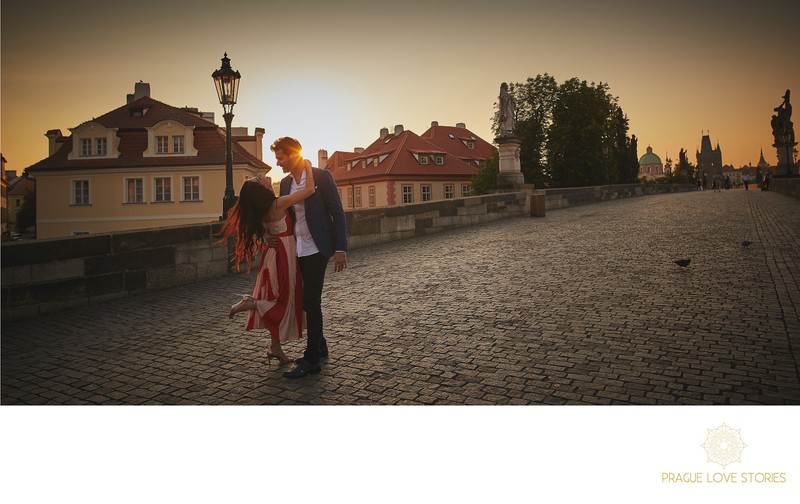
x=305, y=243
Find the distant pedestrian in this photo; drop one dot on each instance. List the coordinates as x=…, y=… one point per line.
x=746, y=181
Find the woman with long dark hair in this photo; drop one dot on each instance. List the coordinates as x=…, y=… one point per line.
x=277, y=299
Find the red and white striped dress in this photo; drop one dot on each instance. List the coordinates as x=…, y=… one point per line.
x=278, y=290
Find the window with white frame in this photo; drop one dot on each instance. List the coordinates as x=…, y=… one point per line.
x=371, y=190
x=426, y=192
x=449, y=191
x=162, y=188
x=101, y=146
x=162, y=144
x=80, y=192
x=466, y=189
x=358, y=197
x=439, y=160
x=408, y=194
x=191, y=188
x=423, y=159
x=86, y=147
x=470, y=145
x=350, y=203
x=177, y=144
x=134, y=190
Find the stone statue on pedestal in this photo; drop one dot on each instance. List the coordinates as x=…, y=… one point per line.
x=508, y=143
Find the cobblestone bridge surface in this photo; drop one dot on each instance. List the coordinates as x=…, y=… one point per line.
x=584, y=306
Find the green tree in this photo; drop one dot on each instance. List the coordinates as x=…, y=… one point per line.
x=26, y=215
x=581, y=135
x=485, y=180
x=624, y=148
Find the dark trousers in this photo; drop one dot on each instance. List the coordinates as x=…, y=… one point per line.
x=313, y=270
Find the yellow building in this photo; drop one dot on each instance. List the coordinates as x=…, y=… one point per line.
x=403, y=167
x=143, y=165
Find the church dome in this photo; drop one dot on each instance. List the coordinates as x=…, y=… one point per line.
x=649, y=158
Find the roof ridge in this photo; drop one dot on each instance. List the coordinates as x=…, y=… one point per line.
x=396, y=153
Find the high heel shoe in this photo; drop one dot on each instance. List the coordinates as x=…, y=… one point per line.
x=281, y=359
x=247, y=303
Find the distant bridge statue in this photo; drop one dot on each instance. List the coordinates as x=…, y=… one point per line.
x=783, y=132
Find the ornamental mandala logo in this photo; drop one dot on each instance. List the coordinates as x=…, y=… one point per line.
x=724, y=445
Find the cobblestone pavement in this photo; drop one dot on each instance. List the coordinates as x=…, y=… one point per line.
x=584, y=306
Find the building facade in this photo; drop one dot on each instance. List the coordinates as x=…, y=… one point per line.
x=402, y=167
x=143, y=165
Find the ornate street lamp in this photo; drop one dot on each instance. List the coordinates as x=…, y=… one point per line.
x=226, y=80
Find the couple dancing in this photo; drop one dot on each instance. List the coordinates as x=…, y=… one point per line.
x=297, y=233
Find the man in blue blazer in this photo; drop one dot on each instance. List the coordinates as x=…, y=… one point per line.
x=321, y=232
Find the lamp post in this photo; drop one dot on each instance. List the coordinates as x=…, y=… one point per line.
x=226, y=81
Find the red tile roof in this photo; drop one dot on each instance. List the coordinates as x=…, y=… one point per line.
x=339, y=158
x=453, y=139
x=209, y=141
x=400, y=162
x=20, y=185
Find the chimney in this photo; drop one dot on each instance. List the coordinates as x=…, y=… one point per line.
x=140, y=90
x=208, y=116
x=322, y=156
x=461, y=125
x=52, y=136
x=398, y=129
x=358, y=150
x=384, y=133
x=259, y=133
x=434, y=123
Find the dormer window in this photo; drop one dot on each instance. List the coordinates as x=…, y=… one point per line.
x=86, y=147
x=377, y=161
x=162, y=144
x=170, y=138
x=439, y=160
x=423, y=159
x=349, y=166
x=137, y=112
x=470, y=145
x=101, y=146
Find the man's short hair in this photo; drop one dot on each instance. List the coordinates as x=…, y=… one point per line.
x=287, y=145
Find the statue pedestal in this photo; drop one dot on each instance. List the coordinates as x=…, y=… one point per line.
x=510, y=173
x=785, y=152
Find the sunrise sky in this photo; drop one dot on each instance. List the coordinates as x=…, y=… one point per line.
x=333, y=74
